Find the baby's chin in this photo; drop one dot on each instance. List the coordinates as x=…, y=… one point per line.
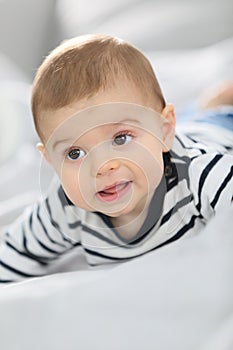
x=114, y=212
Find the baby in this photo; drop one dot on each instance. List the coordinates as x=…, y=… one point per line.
x=126, y=183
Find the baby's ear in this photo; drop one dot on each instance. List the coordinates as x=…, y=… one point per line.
x=168, y=127
x=41, y=148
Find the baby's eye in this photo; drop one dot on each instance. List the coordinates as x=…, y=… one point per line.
x=75, y=154
x=122, y=139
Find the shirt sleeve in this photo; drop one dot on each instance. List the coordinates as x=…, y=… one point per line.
x=211, y=181
x=37, y=239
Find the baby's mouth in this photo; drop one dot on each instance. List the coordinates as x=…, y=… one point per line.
x=115, y=191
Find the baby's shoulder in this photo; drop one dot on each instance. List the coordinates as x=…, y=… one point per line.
x=206, y=138
x=208, y=164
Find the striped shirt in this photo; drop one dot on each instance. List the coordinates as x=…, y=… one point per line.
x=198, y=182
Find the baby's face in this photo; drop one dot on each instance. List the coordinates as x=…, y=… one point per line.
x=107, y=151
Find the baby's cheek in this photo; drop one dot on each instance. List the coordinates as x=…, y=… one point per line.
x=152, y=173
x=76, y=190
x=150, y=161
x=69, y=181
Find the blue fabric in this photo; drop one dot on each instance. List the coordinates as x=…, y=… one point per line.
x=222, y=116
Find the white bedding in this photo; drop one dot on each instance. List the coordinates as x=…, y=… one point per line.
x=179, y=297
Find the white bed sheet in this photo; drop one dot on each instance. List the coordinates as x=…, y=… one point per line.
x=179, y=297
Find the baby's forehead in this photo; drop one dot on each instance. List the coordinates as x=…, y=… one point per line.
x=101, y=116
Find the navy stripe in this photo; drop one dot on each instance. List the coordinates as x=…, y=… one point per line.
x=65, y=201
x=46, y=231
x=191, y=138
x=103, y=238
x=95, y=253
x=180, y=173
x=75, y=224
x=38, y=241
x=39, y=258
x=221, y=188
x=18, y=272
x=6, y=281
x=180, y=233
x=178, y=205
x=55, y=223
x=172, y=183
x=202, y=151
x=204, y=175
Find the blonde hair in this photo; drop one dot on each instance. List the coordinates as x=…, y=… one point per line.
x=80, y=67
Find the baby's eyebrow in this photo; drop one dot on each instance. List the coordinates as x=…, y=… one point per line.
x=64, y=141
x=129, y=121
x=124, y=121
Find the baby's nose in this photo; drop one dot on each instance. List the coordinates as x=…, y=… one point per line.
x=108, y=167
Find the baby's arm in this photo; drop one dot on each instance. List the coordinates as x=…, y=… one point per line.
x=211, y=179
x=36, y=240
